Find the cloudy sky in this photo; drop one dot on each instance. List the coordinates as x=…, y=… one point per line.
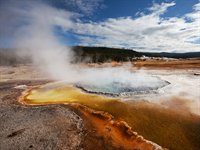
x=142, y=25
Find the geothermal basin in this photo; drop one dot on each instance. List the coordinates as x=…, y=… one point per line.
x=164, y=109
x=170, y=101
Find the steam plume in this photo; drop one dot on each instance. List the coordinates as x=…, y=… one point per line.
x=36, y=35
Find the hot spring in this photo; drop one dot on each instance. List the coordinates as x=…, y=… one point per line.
x=118, y=88
x=121, y=82
x=89, y=89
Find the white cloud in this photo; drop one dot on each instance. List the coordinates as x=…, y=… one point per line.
x=147, y=32
x=159, y=9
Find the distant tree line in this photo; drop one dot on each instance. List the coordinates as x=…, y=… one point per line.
x=103, y=54
x=94, y=55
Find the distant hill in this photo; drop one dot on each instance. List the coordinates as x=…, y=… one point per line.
x=102, y=54
x=174, y=55
x=96, y=55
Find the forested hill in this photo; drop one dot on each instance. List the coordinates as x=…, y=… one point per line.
x=101, y=54
x=95, y=54
x=174, y=55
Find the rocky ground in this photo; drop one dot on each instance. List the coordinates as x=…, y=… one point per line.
x=30, y=127
x=41, y=127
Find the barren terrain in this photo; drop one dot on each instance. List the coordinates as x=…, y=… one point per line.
x=170, y=119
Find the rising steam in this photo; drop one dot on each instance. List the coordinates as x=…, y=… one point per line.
x=36, y=38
